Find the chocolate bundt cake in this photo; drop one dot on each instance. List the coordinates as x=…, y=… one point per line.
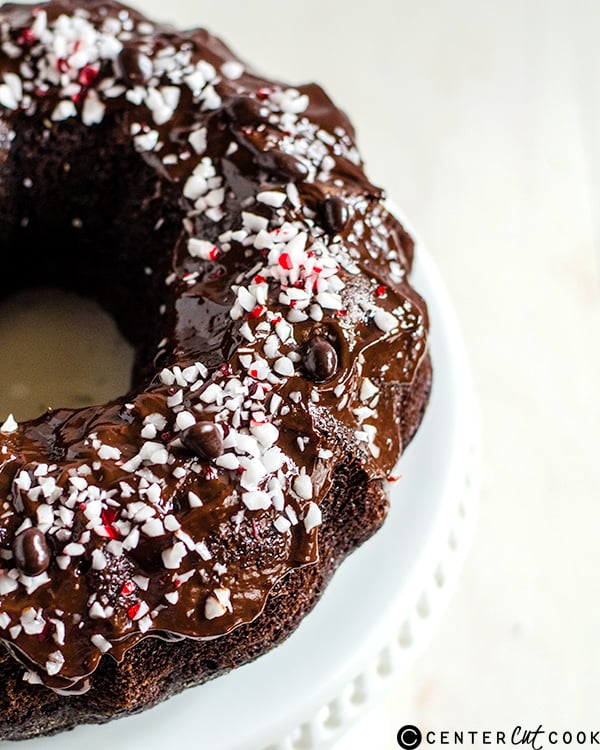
x=225, y=221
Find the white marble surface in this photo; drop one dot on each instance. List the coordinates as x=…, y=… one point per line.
x=478, y=118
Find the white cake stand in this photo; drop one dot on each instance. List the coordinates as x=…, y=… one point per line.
x=378, y=611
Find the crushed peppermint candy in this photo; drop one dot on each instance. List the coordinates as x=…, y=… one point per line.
x=10, y=425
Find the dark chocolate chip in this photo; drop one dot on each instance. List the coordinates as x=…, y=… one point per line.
x=334, y=214
x=31, y=552
x=320, y=360
x=204, y=439
x=134, y=66
x=282, y=165
x=288, y=166
x=83, y=567
x=244, y=110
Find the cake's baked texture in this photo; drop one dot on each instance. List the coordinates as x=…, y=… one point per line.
x=226, y=222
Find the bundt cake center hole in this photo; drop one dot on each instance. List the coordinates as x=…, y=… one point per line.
x=59, y=350
x=82, y=211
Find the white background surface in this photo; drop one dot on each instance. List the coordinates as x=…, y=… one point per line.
x=477, y=118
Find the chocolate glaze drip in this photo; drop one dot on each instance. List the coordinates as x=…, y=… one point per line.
x=154, y=525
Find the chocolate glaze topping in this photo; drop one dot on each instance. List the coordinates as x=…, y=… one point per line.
x=287, y=316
